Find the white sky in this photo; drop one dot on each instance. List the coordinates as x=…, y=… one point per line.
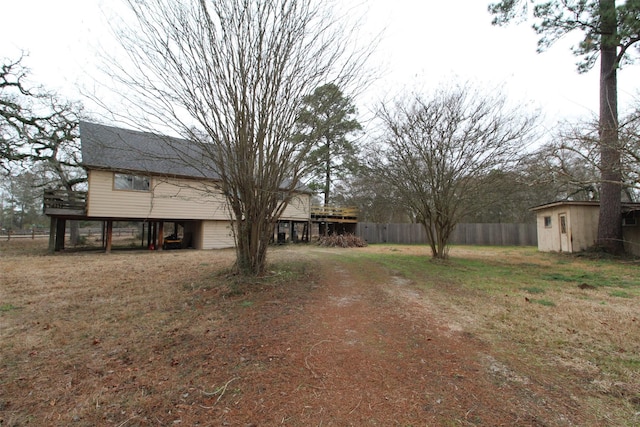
x=425, y=43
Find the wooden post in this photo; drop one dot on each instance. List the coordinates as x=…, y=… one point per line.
x=53, y=226
x=154, y=228
x=148, y=235
x=61, y=229
x=160, y=235
x=109, y=236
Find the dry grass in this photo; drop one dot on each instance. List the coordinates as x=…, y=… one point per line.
x=71, y=321
x=542, y=312
x=112, y=339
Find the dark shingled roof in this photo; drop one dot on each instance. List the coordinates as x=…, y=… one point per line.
x=111, y=148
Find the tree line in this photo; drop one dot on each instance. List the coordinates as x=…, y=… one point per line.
x=266, y=90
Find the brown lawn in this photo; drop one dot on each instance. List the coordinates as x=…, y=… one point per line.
x=139, y=338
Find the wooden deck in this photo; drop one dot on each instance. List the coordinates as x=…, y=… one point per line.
x=334, y=214
x=65, y=204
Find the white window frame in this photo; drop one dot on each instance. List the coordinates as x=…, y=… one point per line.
x=131, y=182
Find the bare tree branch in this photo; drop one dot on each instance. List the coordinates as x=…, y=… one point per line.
x=230, y=77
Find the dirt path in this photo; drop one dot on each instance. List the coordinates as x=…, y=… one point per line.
x=370, y=352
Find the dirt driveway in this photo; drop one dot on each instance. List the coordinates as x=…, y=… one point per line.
x=366, y=349
x=349, y=345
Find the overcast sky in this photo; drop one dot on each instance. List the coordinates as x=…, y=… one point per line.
x=425, y=43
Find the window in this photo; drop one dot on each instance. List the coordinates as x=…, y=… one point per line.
x=122, y=181
x=629, y=219
x=547, y=221
x=563, y=224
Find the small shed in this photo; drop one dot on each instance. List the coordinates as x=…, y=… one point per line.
x=572, y=226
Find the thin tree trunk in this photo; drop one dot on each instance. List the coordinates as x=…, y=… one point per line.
x=609, y=223
x=327, y=178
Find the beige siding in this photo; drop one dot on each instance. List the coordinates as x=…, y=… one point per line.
x=169, y=198
x=217, y=235
x=299, y=209
x=103, y=201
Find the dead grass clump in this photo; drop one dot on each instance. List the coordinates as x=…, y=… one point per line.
x=342, y=241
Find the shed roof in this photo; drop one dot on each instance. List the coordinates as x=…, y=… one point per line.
x=112, y=148
x=626, y=206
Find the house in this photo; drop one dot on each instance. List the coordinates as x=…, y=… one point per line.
x=572, y=226
x=156, y=180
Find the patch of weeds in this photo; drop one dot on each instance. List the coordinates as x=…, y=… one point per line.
x=560, y=277
x=246, y=303
x=4, y=308
x=588, y=280
x=631, y=363
x=620, y=294
x=533, y=290
x=544, y=302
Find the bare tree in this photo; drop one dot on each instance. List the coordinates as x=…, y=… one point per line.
x=15, y=113
x=570, y=163
x=441, y=151
x=376, y=200
x=39, y=131
x=230, y=76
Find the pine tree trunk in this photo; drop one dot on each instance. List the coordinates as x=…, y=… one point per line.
x=610, y=220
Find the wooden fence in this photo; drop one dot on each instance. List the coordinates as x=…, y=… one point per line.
x=463, y=234
x=84, y=232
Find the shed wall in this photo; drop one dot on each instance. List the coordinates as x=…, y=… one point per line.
x=631, y=236
x=582, y=228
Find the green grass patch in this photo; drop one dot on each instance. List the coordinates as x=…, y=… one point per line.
x=499, y=273
x=533, y=290
x=620, y=294
x=4, y=308
x=602, y=278
x=544, y=302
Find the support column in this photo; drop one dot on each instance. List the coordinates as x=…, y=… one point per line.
x=160, y=235
x=154, y=232
x=52, y=234
x=109, y=237
x=61, y=228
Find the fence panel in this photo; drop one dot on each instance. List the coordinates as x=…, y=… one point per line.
x=463, y=234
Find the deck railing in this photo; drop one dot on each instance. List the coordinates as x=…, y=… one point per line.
x=334, y=212
x=64, y=200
